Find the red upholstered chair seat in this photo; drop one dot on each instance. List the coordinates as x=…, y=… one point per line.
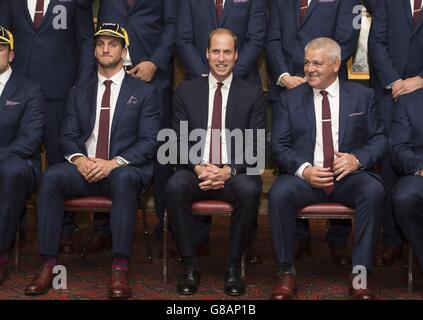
x=326, y=211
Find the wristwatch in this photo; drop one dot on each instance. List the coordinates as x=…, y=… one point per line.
x=232, y=171
x=120, y=162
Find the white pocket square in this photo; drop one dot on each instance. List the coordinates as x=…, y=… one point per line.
x=10, y=103
x=355, y=114
x=240, y=1
x=132, y=100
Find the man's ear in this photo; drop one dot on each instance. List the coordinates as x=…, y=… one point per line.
x=11, y=55
x=124, y=53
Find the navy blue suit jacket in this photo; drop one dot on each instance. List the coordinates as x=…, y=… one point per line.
x=197, y=18
x=22, y=120
x=361, y=130
x=151, y=31
x=287, y=38
x=134, y=128
x=406, y=139
x=52, y=57
x=245, y=110
x=395, y=46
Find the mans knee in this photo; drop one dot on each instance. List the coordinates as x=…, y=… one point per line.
x=123, y=180
x=179, y=184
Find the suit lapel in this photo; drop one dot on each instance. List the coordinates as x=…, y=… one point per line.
x=231, y=105
x=308, y=103
x=344, y=111
x=212, y=10
x=407, y=12
x=121, y=104
x=296, y=10
x=92, y=101
x=204, y=102
x=10, y=87
x=226, y=9
x=133, y=7
x=311, y=7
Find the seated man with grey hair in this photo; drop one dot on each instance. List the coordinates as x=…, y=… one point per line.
x=326, y=136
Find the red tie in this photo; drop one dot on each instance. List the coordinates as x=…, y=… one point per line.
x=216, y=126
x=39, y=11
x=417, y=10
x=328, y=152
x=303, y=9
x=130, y=3
x=102, y=150
x=219, y=9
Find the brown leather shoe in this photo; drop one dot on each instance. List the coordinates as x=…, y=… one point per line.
x=67, y=244
x=339, y=255
x=97, y=242
x=41, y=283
x=3, y=272
x=389, y=256
x=302, y=249
x=286, y=287
x=360, y=294
x=120, y=288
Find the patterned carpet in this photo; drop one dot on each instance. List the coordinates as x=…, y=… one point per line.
x=319, y=278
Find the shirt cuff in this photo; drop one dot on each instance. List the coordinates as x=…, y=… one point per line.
x=389, y=87
x=74, y=155
x=124, y=160
x=278, y=82
x=300, y=170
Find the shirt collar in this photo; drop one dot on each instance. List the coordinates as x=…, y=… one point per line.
x=5, y=76
x=332, y=90
x=116, y=79
x=226, y=83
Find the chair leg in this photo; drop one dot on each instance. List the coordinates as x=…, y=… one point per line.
x=146, y=236
x=165, y=262
x=243, y=266
x=410, y=268
x=77, y=236
x=17, y=248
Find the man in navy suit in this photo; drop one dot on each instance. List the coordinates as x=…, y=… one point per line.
x=395, y=52
x=221, y=172
x=407, y=158
x=327, y=135
x=197, y=18
x=53, y=48
x=293, y=23
x=151, y=29
x=22, y=119
x=109, y=139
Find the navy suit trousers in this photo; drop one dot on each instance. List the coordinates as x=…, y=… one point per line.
x=17, y=182
x=63, y=180
x=362, y=191
x=242, y=191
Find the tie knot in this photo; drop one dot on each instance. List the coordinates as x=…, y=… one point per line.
x=108, y=83
x=324, y=93
x=219, y=85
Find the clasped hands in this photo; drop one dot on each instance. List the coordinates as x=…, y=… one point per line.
x=94, y=169
x=212, y=177
x=406, y=86
x=319, y=177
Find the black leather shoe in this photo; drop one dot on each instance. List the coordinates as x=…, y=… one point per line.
x=234, y=286
x=189, y=283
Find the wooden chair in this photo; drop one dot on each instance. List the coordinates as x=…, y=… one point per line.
x=103, y=204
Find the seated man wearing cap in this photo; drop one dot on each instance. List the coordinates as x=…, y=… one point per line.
x=22, y=119
x=109, y=139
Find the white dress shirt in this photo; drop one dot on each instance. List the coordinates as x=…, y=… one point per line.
x=91, y=143
x=225, y=93
x=4, y=77
x=31, y=7
x=333, y=96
